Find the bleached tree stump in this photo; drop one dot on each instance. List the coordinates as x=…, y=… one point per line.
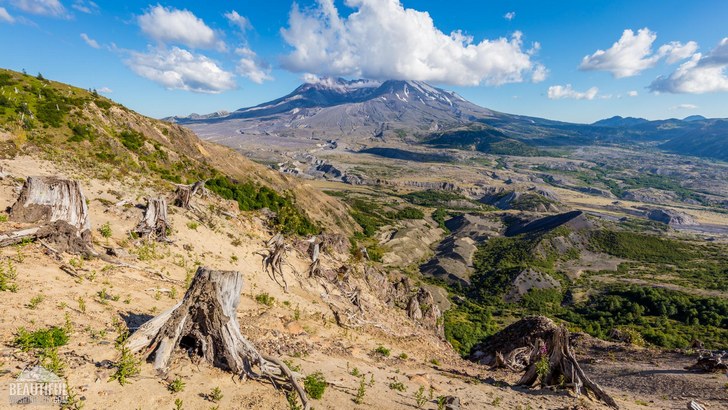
x=205, y=324
x=184, y=193
x=154, y=223
x=58, y=207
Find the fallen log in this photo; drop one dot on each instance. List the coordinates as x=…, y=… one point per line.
x=205, y=324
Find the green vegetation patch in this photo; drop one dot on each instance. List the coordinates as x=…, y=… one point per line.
x=249, y=196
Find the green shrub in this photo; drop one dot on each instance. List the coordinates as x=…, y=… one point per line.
x=410, y=213
x=176, y=385
x=315, y=385
x=105, y=230
x=397, y=385
x=265, y=299
x=41, y=339
x=382, y=351
x=132, y=140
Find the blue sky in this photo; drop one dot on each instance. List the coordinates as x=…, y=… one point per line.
x=569, y=60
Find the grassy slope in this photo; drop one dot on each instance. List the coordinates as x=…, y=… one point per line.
x=72, y=125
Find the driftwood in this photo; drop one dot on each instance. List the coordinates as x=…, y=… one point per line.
x=154, y=223
x=184, y=193
x=205, y=324
x=57, y=208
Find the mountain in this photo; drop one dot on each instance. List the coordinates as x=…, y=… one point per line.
x=354, y=111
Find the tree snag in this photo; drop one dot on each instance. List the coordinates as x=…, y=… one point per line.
x=154, y=223
x=314, y=247
x=274, y=258
x=58, y=207
x=205, y=324
x=184, y=193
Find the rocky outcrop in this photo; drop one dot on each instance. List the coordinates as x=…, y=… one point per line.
x=575, y=220
x=528, y=280
x=417, y=302
x=408, y=242
x=533, y=199
x=670, y=217
x=590, y=190
x=453, y=259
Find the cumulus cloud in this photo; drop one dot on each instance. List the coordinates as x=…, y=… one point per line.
x=632, y=54
x=241, y=22
x=701, y=74
x=510, y=15
x=178, y=26
x=381, y=39
x=560, y=92
x=84, y=6
x=633, y=93
x=251, y=67
x=179, y=69
x=5, y=16
x=91, y=42
x=52, y=8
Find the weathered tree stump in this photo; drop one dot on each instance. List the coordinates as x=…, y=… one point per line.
x=205, y=324
x=525, y=345
x=154, y=223
x=58, y=207
x=314, y=249
x=184, y=193
x=711, y=362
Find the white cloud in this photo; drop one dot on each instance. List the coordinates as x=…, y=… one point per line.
x=5, y=16
x=52, y=8
x=701, y=74
x=633, y=93
x=241, y=22
x=85, y=6
x=684, y=107
x=510, y=15
x=251, y=67
x=179, y=69
x=381, y=39
x=632, y=54
x=178, y=26
x=106, y=90
x=560, y=92
x=676, y=51
x=91, y=42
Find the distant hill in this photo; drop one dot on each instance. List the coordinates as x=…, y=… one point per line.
x=618, y=121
